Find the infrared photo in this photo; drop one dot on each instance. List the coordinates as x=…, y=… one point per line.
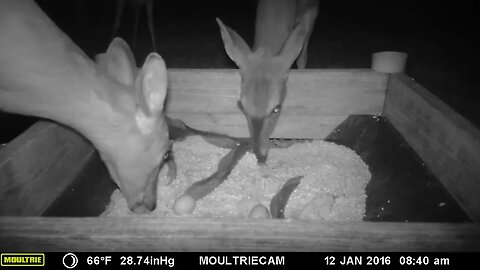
x=253, y=125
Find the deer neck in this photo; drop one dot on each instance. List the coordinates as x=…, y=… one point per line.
x=75, y=93
x=88, y=102
x=274, y=22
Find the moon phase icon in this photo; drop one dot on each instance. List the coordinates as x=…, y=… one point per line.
x=70, y=260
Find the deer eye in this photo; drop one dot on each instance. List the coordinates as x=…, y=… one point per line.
x=277, y=108
x=167, y=155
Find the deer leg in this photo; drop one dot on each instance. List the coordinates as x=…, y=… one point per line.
x=135, y=27
x=302, y=59
x=313, y=9
x=149, y=7
x=118, y=17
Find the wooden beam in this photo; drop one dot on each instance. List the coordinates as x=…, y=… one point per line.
x=317, y=100
x=37, y=166
x=194, y=234
x=447, y=143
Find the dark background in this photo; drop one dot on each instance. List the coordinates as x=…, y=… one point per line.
x=439, y=36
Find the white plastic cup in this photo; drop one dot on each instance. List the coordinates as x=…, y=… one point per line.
x=389, y=62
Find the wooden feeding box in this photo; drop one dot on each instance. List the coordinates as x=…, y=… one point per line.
x=37, y=167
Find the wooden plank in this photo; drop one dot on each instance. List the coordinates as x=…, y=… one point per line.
x=193, y=234
x=37, y=166
x=447, y=143
x=317, y=100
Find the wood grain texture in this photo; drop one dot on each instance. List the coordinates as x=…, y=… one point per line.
x=37, y=166
x=447, y=143
x=317, y=100
x=192, y=234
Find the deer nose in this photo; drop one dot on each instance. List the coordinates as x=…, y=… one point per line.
x=143, y=207
x=261, y=159
x=258, y=142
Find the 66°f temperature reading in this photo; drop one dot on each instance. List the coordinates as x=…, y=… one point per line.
x=99, y=260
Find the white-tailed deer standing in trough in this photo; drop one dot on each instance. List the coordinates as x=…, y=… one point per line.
x=137, y=6
x=282, y=31
x=119, y=109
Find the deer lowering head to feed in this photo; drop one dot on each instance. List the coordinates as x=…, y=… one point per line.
x=281, y=30
x=43, y=73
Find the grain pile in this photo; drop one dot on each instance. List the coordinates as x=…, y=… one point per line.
x=333, y=186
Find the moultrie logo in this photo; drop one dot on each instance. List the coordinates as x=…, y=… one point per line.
x=22, y=259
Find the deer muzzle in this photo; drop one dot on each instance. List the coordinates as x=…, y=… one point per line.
x=259, y=139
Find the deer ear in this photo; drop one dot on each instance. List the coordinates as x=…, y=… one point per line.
x=151, y=85
x=294, y=44
x=118, y=62
x=236, y=48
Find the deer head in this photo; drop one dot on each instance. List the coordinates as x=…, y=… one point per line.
x=264, y=74
x=115, y=106
x=143, y=147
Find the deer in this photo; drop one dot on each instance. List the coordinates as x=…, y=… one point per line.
x=118, y=108
x=282, y=32
x=137, y=5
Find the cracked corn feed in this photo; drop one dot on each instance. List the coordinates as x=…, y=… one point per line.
x=333, y=186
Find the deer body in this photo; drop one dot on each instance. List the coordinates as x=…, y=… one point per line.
x=43, y=73
x=282, y=29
